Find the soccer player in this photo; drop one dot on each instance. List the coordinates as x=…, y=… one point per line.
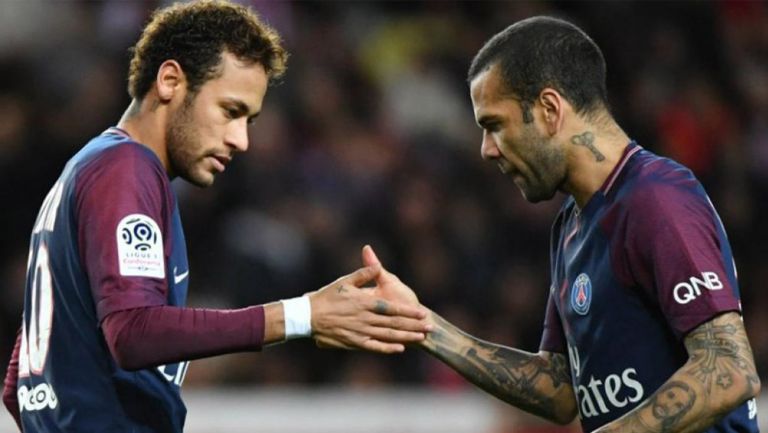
x=105, y=338
x=643, y=328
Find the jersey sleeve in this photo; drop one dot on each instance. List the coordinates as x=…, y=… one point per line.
x=678, y=252
x=10, y=399
x=145, y=337
x=123, y=222
x=553, y=336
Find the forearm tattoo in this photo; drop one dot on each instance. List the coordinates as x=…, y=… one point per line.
x=587, y=140
x=673, y=402
x=719, y=375
x=525, y=380
x=721, y=354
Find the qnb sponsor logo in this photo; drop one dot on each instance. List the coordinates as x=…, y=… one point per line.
x=39, y=398
x=687, y=291
x=599, y=397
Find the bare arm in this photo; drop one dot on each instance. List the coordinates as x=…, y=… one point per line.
x=719, y=376
x=539, y=383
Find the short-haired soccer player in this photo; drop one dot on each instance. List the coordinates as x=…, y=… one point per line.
x=106, y=339
x=643, y=329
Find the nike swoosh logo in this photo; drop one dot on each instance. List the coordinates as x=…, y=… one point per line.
x=177, y=278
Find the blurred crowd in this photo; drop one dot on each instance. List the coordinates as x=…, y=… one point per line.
x=370, y=138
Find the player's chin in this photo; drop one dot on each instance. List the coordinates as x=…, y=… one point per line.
x=201, y=178
x=536, y=195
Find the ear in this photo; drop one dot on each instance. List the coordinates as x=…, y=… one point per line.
x=170, y=80
x=554, y=106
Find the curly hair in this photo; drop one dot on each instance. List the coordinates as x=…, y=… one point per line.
x=195, y=35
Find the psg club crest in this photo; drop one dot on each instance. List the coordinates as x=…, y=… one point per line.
x=581, y=294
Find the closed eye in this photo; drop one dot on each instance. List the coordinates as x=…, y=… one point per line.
x=489, y=123
x=491, y=127
x=234, y=108
x=232, y=113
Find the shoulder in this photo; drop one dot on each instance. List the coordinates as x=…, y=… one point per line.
x=659, y=187
x=119, y=156
x=119, y=170
x=661, y=205
x=119, y=163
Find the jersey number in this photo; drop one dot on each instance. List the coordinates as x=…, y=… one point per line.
x=35, y=339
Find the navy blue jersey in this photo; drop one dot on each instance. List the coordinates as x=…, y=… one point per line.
x=108, y=238
x=642, y=264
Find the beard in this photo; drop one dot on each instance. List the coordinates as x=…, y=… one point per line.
x=184, y=147
x=548, y=167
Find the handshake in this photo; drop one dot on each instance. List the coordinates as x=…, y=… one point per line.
x=348, y=315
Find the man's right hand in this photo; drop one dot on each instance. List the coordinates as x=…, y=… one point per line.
x=388, y=285
x=346, y=315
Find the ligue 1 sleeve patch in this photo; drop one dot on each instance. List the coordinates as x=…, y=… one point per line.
x=140, y=247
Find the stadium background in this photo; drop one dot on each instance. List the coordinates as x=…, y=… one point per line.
x=370, y=139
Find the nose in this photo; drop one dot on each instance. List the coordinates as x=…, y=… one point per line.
x=488, y=149
x=237, y=135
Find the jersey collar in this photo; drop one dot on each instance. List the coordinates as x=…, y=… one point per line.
x=117, y=131
x=631, y=149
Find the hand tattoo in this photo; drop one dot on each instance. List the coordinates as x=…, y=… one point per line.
x=381, y=307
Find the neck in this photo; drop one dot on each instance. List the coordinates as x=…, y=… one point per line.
x=145, y=122
x=593, y=152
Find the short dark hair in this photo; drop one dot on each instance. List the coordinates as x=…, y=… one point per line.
x=541, y=52
x=195, y=35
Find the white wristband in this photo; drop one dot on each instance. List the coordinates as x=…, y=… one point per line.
x=298, y=317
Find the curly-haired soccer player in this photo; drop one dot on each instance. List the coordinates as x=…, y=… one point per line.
x=106, y=339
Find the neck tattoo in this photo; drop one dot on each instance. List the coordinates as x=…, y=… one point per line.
x=587, y=140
